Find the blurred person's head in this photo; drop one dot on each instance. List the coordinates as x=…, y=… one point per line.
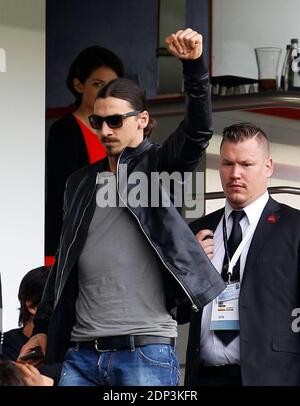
x=30, y=293
x=17, y=374
x=10, y=374
x=93, y=68
x=245, y=164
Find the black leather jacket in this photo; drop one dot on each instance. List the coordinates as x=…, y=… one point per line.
x=187, y=273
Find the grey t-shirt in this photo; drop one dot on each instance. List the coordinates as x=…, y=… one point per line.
x=120, y=284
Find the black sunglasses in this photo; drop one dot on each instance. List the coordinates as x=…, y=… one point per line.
x=114, y=121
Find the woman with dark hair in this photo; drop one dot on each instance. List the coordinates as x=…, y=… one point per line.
x=72, y=142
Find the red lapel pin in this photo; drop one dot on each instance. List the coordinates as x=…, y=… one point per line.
x=272, y=218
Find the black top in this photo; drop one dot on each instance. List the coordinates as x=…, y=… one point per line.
x=66, y=152
x=12, y=343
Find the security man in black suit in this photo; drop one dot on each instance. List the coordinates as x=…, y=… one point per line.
x=264, y=349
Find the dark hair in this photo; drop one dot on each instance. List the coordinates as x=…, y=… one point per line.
x=244, y=131
x=89, y=60
x=126, y=89
x=10, y=374
x=31, y=288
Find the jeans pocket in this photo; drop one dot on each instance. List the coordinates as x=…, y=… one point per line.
x=156, y=354
x=164, y=358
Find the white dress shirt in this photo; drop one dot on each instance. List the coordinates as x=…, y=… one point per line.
x=213, y=351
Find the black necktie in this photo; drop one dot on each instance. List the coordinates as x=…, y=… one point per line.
x=232, y=244
x=226, y=336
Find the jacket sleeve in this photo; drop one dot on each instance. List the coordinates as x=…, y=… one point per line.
x=44, y=310
x=182, y=151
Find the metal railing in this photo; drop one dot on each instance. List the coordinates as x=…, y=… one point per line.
x=173, y=106
x=271, y=190
x=256, y=101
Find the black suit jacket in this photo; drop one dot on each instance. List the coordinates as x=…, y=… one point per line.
x=269, y=349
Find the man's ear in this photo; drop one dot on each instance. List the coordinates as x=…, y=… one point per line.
x=78, y=85
x=143, y=119
x=270, y=167
x=30, y=307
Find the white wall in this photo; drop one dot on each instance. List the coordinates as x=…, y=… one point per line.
x=22, y=143
x=239, y=26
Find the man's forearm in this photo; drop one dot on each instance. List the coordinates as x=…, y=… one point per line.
x=198, y=116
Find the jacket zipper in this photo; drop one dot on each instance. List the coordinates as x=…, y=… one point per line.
x=194, y=306
x=72, y=242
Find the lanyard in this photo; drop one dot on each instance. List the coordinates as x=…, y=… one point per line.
x=248, y=235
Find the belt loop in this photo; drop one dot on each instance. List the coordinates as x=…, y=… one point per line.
x=174, y=344
x=131, y=343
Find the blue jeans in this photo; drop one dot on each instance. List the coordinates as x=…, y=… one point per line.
x=149, y=365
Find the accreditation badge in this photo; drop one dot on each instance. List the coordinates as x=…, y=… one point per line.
x=225, y=309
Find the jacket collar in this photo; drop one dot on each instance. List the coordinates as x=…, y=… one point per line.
x=129, y=151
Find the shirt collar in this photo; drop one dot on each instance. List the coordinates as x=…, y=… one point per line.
x=253, y=211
